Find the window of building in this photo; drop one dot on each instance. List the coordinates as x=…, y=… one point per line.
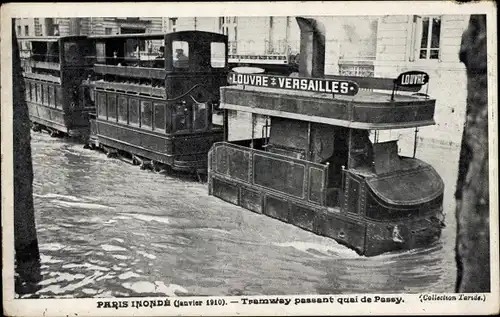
x=26, y=30
x=108, y=31
x=427, y=37
x=229, y=26
x=19, y=30
x=172, y=24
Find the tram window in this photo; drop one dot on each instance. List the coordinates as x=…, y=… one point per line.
x=101, y=105
x=52, y=96
x=353, y=199
x=133, y=112
x=49, y=53
x=180, y=53
x=59, y=97
x=131, y=51
x=27, y=91
x=181, y=117
x=111, y=107
x=199, y=116
x=122, y=109
x=39, y=93
x=146, y=114
x=100, y=53
x=159, y=116
x=72, y=54
x=46, y=97
x=218, y=54
x=32, y=92
x=45, y=94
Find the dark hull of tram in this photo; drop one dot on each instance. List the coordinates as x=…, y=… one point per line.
x=295, y=191
x=183, y=153
x=48, y=111
x=74, y=125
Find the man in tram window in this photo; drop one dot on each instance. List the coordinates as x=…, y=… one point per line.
x=180, y=59
x=160, y=59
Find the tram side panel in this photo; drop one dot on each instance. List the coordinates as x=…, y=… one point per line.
x=53, y=81
x=46, y=104
x=155, y=129
x=288, y=189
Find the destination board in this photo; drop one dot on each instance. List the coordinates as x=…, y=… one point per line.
x=341, y=87
x=412, y=78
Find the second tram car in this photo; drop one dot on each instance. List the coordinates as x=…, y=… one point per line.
x=158, y=108
x=54, y=69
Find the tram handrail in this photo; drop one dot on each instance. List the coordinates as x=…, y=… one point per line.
x=130, y=71
x=378, y=83
x=131, y=88
x=42, y=77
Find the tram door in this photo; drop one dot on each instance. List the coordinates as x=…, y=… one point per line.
x=335, y=162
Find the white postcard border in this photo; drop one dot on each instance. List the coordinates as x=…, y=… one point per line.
x=413, y=303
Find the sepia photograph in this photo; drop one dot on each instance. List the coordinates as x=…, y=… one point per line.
x=207, y=159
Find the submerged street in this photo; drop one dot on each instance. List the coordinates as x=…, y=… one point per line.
x=108, y=229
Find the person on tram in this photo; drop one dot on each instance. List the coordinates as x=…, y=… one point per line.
x=160, y=59
x=180, y=59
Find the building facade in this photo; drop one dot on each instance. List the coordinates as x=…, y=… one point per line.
x=430, y=44
x=380, y=46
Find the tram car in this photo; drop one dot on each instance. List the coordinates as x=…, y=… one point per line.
x=155, y=96
x=54, y=69
x=315, y=163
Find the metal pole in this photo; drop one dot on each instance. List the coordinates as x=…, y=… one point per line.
x=225, y=124
x=308, y=154
x=415, y=143
x=253, y=128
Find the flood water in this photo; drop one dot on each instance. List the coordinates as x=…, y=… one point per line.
x=109, y=229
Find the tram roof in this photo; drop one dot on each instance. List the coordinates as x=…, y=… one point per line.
x=53, y=38
x=152, y=35
x=366, y=110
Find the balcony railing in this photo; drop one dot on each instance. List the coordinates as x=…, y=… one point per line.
x=362, y=66
x=264, y=47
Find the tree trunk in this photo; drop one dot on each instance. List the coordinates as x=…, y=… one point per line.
x=472, y=193
x=25, y=239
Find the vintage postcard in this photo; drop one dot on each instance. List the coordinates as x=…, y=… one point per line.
x=249, y=158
